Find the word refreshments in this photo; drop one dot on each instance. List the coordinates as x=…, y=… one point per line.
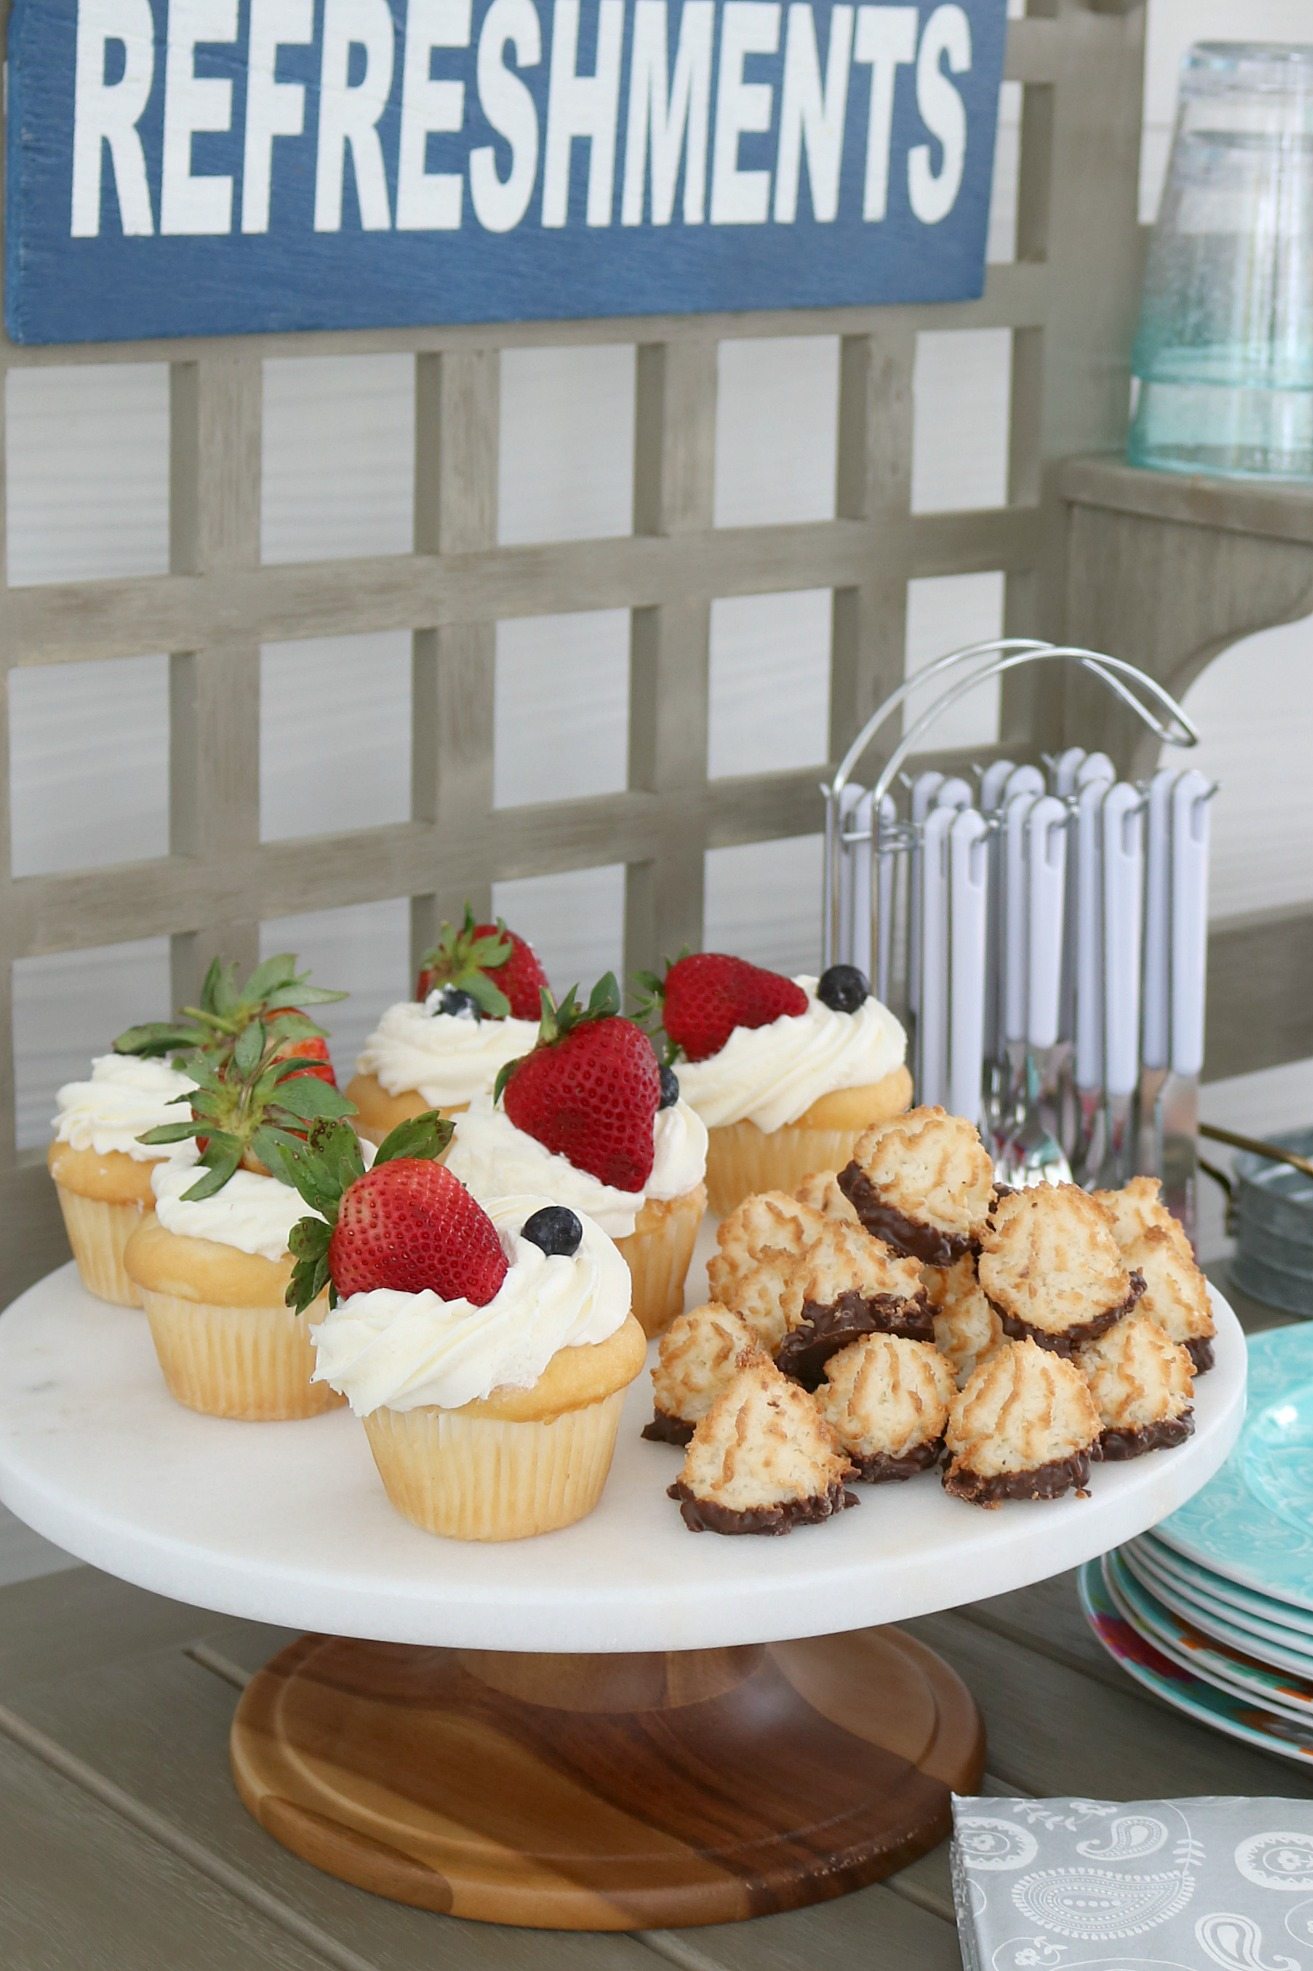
x=348, y=161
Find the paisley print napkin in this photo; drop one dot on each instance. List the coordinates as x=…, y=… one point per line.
x=1179, y=1885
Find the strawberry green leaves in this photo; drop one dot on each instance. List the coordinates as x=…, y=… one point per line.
x=560, y=1017
x=276, y=990
x=463, y=957
x=323, y=1168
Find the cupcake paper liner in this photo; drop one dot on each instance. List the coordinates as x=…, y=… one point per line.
x=482, y=1478
x=98, y=1231
x=250, y=1363
x=658, y=1260
x=742, y=1159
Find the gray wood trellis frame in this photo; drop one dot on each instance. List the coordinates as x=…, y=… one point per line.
x=1066, y=300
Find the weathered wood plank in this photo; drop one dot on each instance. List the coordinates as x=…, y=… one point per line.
x=82, y=1886
x=1105, y=481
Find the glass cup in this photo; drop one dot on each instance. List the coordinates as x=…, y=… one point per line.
x=1223, y=360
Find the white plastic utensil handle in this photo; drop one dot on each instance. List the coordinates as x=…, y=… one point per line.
x=968, y=881
x=1068, y=1016
x=1191, y=830
x=855, y=875
x=992, y=782
x=924, y=788
x=955, y=793
x=932, y=1017
x=1023, y=780
x=1155, y=1041
x=1089, y=939
x=884, y=958
x=1123, y=898
x=1046, y=882
x=1095, y=766
x=1065, y=769
x=1013, y=996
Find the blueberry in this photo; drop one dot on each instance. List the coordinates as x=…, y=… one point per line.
x=843, y=988
x=669, y=1088
x=555, y=1230
x=459, y=1004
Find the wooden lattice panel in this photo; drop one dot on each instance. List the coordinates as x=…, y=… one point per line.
x=1065, y=300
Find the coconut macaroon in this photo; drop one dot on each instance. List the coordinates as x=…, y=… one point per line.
x=767, y=1295
x=1051, y=1269
x=1138, y=1208
x=769, y=1222
x=847, y=1285
x=701, y=1352
x=924, y=1182
x=1175, y=1293
x=1142, y=1383
x=886, y=1400
x=820, y=1190
x=965, y=1325
x=1024, y=1427
x=762, y=1460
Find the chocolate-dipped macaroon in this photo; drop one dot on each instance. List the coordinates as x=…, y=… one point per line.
x=887, y=1400
x=762, y=1460
x=700, y=1355
x=1051, y=1269
x=966, y=1327
x=1155, y=1244
x=1142, y=1383
x=848, y=1285
x=766, y=1224
x=1024, y=1427
x=820, y=1190
x=924, y=1183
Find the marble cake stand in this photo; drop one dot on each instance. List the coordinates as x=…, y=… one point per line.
x=614, y=1727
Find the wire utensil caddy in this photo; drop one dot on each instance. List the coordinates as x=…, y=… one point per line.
x=1041, y=930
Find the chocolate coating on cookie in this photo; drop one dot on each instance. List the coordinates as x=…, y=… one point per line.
x=1116, y=1446
x=665, y=1429
x=885, y=1467
x=927, y=1243
x=1048, y=1481
x=1072, y=1338
x=705, y=1516
x=824, y=1330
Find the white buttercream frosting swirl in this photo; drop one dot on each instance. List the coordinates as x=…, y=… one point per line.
x=252, y=1212
x=401, y=1350
x=492, y=1157
x=771, y=1075
x=124, y=1097
x=443, y=1057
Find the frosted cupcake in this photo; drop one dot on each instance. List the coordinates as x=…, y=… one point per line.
x=476, y=1007
x=213, y=1265
x=487, y=1352
x=786, y=1073
x=588, y=1118
x=102, y=1170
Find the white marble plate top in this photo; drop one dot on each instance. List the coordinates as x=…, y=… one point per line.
x=288, y=1523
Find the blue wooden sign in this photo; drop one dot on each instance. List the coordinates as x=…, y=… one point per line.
x=185, y=167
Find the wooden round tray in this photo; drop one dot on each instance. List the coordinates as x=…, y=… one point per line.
x=679, y=1756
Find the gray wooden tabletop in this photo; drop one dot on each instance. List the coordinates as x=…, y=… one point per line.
x=123, y=1845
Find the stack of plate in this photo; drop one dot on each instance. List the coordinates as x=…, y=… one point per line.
x=1213, y=1610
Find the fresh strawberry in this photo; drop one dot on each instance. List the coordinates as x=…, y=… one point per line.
x=496, y=967
x=313, y=1049
x=406, y=1224
x=275, y=989
x=705, y=995
x=251, y=1103
x=590, y=1089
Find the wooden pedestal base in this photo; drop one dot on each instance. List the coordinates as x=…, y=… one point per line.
x=608, y=1792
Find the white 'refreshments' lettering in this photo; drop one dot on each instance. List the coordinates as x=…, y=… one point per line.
x=584, y=107
x=195, y=105
x=933, y=194
x=349, y=113
x=886, y=38
x=812, y=112
x=739, y=197
x=273, y=108
x=501, y=203
x=106, y=114
x=429, y=201
x=669, y=116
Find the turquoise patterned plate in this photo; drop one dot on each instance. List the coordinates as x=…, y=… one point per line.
x=1216, y=1588
x=1273, y=1640
x=1254, y=1521
x=1146, y=1663
x=1205, y=1657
